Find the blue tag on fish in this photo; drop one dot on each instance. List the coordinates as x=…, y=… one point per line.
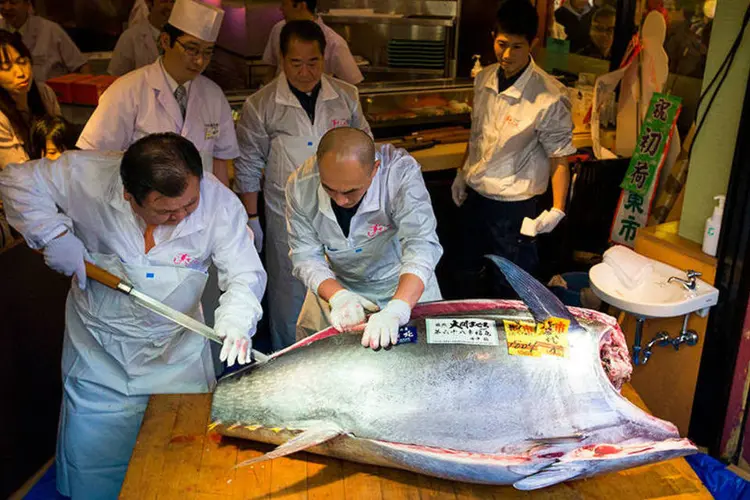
x=149, y=275
x=407, y=335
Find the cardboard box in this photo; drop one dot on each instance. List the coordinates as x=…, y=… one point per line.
x=88, y=91
x=63, y=86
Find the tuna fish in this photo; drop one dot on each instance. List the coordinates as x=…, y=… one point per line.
x=448, y=403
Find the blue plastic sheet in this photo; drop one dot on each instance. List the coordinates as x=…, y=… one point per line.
x=45, y=488
x=720, y=481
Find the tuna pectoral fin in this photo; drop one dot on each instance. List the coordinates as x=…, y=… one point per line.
x=313, y=436
x=542, y=303
x=555, y=473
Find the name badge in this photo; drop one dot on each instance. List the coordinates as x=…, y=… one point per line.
x=212, y=130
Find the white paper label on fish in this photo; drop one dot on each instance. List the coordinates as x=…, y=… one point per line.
x=470, y=331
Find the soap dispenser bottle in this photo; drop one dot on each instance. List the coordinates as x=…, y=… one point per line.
x=477, y=65
x=713, y=228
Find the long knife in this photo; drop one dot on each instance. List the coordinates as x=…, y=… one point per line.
x=108, y=279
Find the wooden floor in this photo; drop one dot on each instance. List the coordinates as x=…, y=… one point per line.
x=177, y=458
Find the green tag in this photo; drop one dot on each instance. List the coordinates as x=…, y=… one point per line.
x=651, y=150
x=556, y=54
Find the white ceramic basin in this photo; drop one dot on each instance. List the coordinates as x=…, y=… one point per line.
x=654, y=297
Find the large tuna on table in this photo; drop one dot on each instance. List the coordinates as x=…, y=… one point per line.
x=463, y=411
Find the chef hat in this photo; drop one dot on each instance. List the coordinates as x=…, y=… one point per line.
x=197, y=19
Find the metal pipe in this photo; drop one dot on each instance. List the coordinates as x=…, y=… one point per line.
x=637, y=341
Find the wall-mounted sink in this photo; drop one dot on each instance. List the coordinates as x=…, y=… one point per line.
x=655, y=296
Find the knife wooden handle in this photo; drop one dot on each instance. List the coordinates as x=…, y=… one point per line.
x=106, y=278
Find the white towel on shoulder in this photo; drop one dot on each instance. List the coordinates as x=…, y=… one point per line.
x=629, y=267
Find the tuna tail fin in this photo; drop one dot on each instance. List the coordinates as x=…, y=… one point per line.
x=542, y=303
x=315, y=435
x=554, y=474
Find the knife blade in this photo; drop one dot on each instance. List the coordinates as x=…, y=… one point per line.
x=110, y=280
x=167, y=312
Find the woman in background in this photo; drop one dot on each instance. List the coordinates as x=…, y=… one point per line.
x=22, y=101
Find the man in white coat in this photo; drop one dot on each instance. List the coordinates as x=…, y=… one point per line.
x=137, y=46
x=362, y=237
x=53, y=53
x=279, y=129
x=521, y=137
x=171, y=95
x=153, y=218
x=339, y=61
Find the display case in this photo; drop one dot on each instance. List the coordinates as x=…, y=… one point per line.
x=416, y=104
x=398, y=40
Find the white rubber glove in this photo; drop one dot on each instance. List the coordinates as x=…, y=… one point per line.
x=68, y=256
x=458, y=189
x=548, y=221
x=254, y=225
x=382, y=328
x=348, y=309
x=238, y=344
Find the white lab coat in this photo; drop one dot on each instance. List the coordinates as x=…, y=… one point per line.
x=139, y=13
x=339, y=61
x=392, y=233
x=515, y=133
x=276, y=137
x=115, y=352
x=135, y=48
x=142, y=103
x=53, y=53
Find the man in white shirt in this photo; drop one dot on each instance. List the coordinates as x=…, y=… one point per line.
x=279, y=129
x=339, y=61
x=153, y=218
x=171, y=95
x=53, y=53
x=137, y=46
x=521, y=136
x=361, y=237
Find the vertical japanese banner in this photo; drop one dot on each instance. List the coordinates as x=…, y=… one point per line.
x=642, y=177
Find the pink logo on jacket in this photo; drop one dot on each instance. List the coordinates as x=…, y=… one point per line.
x=182, y=259
x=376, y=229
x=339, y=123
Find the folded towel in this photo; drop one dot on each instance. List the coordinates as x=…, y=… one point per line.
x=629, y=267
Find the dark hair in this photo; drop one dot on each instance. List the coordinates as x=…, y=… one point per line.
x=604, y=11
x=20, y=124
x=159, y=162
x=307, y=31
x=53, y=128
x=516, y=17
x=311, y=4
x=173, y=33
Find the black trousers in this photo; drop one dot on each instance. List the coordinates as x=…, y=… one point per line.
x=493, y=227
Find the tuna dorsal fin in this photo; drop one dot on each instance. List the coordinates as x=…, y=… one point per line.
x=554, y=474
x=542, y=303
x=315, y=435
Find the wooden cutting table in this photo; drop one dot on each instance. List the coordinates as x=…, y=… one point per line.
x=176, y=457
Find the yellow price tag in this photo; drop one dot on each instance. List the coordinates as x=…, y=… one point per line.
x=549, y=338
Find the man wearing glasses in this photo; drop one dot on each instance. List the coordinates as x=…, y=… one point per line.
x=171, y=95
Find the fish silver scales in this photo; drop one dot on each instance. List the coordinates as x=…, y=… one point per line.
x=465, y=412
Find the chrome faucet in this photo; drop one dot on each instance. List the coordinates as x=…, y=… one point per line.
x=690, y=283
